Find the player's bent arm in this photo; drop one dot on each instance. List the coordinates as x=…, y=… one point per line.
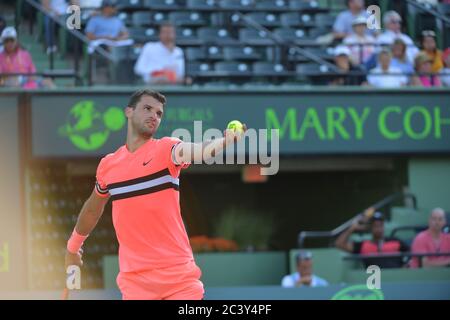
x=90, y=213
x=343, y=243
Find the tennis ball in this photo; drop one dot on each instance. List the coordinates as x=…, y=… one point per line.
x=235, y=125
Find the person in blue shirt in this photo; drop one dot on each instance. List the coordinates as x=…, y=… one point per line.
x=304, y=276
x=106, y=25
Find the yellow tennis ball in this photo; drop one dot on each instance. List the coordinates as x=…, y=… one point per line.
x=235, y=125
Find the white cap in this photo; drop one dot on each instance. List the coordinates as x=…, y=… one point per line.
x=9, y=32
x=359, y=20
x=341, y=50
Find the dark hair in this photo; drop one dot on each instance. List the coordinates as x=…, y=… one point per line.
x=166, y=24
x=136, y=97
x=302, y=256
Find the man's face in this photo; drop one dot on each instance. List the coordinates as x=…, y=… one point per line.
x=9, y=44
x=356, y=5
x=378, y=229
x=437, y=221
x=429, y=44
x=342, y=61
x=360, y=29
x=304, y=268
x=146, y=117
x=385, y=60
x=398, y=50
x=167, y=34
x=395, y=25
x=109, y=11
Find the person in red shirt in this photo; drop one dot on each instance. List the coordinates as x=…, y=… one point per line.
x=379, y=244
x=142, y=180
x=432, y=240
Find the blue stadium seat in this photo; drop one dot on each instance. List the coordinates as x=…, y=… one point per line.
x=265, y=19
x=270, y=5
x=197, y=68
x=254, y=37
x=215, y=35
x=269, y=69
x=163, y=4
x=237, y=4
x=195, y=53
x=241, y=53
x=141, y=35
x=233, y=68
x=142, y=18
x=128, y=4
x=215, y=53
x=201, y=4
x=289, y=34
x=159, y=17
x=187, y=37
x=187, y=18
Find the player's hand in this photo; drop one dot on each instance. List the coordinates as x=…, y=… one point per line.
x=304, y=281
x=74, y=259
x=358, y=225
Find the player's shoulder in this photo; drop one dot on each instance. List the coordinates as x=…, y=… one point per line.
x=112, y=157
x=169, y=140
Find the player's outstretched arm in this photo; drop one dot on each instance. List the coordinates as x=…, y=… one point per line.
x=187, y=152
x=88, y=218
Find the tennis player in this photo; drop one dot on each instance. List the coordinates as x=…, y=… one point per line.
x=142, y=180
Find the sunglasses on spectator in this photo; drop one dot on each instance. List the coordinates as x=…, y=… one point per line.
x=9, y=40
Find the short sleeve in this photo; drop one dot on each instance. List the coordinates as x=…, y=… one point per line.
x=169, y=145
x=91, y=25
x=357, y=247
x=288, y=282
x=101, y=187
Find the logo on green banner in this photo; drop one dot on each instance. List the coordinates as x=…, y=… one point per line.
x=358, y=292
x=88, y=128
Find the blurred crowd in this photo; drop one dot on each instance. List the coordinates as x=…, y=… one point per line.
x=384, y=57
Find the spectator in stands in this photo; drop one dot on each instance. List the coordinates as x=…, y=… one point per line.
x=445, y=73
x=346, y=68
x=343, y=25
x=399, y=59
x=106, y=25
x=392, y=23
x=162, y=62
x=378, y=245
x=424, y=75
x=430, y=48
x=360, y=43
x=304, y=275
x=385, y=75
x=432, y=240
x=14, y=59
x=57, y=9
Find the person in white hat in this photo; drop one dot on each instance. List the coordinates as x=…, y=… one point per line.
x=360, y=43
x=393, y=26
x=14, y=59
x=346, y=68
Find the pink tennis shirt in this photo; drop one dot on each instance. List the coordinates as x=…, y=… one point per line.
x=144, y=189
x=424, y=243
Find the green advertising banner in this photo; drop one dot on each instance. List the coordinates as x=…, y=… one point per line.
x=316, y=122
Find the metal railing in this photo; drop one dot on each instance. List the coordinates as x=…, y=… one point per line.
x=338, y=230
x=362, y=257
x=77, y=35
